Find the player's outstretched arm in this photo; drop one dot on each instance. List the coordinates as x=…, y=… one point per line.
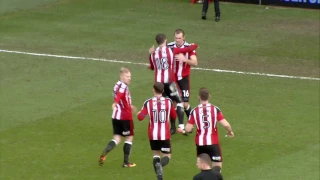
x=185, y=49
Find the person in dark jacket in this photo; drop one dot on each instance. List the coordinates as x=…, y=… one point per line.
x=207, y=173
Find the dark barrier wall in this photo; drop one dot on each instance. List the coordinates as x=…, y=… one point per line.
x=313, y=4
x=242, y=1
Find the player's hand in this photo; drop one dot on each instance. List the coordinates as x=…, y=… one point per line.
x=138, y=113
x=114, y=106
x=134, y=109
x=149, y=67
x=152, y=49
x=230, y=134
x=195, y=44
x=180, y=57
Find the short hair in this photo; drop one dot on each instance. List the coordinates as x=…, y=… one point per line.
x=178, y=31
x=124, y=70
x=160, y=38
x=158, y=87
x=205, y=158
x=204, y=94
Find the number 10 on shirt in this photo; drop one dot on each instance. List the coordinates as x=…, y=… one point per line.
x=159, y=116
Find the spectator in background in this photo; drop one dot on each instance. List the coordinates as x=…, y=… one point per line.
x=205, y=7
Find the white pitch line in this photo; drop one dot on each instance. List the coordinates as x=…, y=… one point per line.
x=128, y=62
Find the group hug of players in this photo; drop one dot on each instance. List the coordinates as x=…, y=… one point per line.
x=171, y=65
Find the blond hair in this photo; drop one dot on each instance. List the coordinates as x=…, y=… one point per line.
x=124, y=70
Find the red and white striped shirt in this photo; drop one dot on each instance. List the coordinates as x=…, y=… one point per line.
x=160, y=110
x=182, y=69
x=162, y=61
x=206, y=116
x=121, y=95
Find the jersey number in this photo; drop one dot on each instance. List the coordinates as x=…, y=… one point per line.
x=206, y=122
x=162, y=63
x=185, y=93
x=159, y=116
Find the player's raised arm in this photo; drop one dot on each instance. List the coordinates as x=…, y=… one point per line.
x=185, y=49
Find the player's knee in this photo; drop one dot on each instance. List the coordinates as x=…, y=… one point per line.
x=129, y=138
x=117, y=139
x=217, y=168
x=156, y=153
x=156, y=159
x=165, y=160
x=174, y=103
x=180, y=105
x=167, y=155
x=186, y=105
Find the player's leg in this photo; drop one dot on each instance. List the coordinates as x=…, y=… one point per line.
x=185, y=89
x=157, y=165
x=172, y=95
x=166, y=152
x=186, y=95
x=117, y=133
x=128, y=133
x=175, y=95
x=216, y=155
x=173, y=128
x=156, y=161
x=205, y=6
x=217, y=10
x=200, y=150
x=180, y=115
x=179, y=110
x=217, y=166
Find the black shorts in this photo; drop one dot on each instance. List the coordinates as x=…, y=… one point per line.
x=213, y=151
x=123, y=127
x=161, y=145
x=167, y=93
x=184, y=85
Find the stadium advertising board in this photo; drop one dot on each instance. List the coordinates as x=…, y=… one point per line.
x=313, y=4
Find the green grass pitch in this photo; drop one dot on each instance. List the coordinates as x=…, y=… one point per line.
x=55, y=112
